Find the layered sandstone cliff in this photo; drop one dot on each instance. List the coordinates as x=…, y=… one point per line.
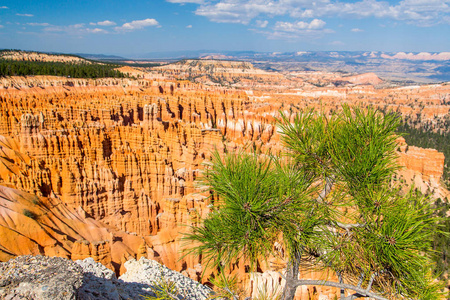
x=107, y=167
x=127, y=156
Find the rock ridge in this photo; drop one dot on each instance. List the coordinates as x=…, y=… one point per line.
x=54, y=278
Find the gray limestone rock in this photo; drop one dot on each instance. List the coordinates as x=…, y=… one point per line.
x=149, y=272
x=54, y=278
x=40, y=277
x=99, y=282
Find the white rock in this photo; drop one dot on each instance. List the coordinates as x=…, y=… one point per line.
x=150, y=272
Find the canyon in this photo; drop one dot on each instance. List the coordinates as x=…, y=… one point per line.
x=107, y=168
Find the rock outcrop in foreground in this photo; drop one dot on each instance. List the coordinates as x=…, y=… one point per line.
x=54, y=278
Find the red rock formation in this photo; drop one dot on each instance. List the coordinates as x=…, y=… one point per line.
x=114, y=161
x=427, y=162
x=47, y=226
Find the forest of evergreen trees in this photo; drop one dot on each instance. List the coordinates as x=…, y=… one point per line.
x=80, y=70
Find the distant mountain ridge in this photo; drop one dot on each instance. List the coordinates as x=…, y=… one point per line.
x=422, y=67
x=425, y=67
x=99, y=56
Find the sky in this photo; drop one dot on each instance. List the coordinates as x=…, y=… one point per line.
x=134, y=28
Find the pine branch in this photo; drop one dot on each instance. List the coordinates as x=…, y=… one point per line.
x=372, y=278
x=358, y=290
x=355, y=295
x=361, y=279
x=235, y=297
x=326, y=190
x=341, y=280
x=349, y=226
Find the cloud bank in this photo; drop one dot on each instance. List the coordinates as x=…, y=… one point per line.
x=416, y=12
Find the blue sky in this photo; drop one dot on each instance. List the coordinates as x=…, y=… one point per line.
x=137, y=27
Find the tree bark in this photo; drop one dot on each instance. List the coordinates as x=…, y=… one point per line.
x=360, y=292
x=291, y=277
x=292, y=283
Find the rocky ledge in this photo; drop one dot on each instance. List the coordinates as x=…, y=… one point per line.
x=54, y=278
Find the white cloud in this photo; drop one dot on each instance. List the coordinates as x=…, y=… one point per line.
x=137, y=24
x=96, y=30
x=417, y=12
x=262, y=24
x=189, y=26
x=357, y=30
x=297, y=30
x=241, y=11
x=75, y=29
x=3, y=7
x=38, y=24
x=103, y=23
x=186, y=1
x=25, y=15
x=337, y=43
x=299, y=26
x=1, y=26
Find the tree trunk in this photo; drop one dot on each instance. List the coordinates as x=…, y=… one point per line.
x=291, y=277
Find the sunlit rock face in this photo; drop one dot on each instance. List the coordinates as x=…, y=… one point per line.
x=123, y=154
x=107, y=168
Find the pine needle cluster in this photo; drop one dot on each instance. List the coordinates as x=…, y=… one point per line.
x=328, y=199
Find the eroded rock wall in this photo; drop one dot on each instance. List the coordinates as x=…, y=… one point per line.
x=125, y=155
x=107, y=168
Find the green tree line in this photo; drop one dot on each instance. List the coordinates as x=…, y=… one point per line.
x=83, y=70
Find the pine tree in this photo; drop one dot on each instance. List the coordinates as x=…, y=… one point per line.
x=329, y=199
